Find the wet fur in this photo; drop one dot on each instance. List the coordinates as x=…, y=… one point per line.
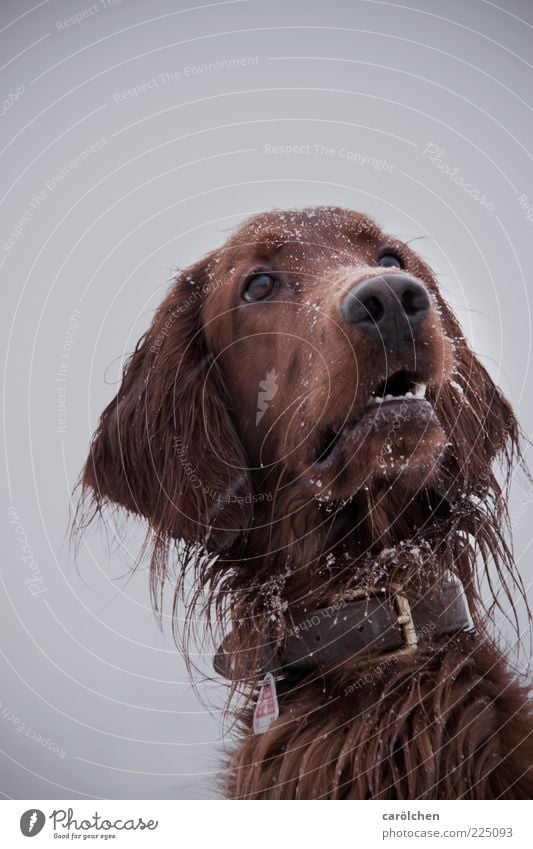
x=263, y=545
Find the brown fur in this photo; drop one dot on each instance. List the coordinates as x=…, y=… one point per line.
x=266, y=535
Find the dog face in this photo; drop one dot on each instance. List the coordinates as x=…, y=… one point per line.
x=311, y=347
x=330, y=339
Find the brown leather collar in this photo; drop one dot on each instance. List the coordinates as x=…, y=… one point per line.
x=370, y=624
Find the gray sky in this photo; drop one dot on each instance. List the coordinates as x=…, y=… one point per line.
x=134, y=136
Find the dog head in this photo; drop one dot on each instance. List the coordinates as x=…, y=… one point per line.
x=312, y=351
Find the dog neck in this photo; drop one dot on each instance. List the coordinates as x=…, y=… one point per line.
x=312, y=555
x=370, y=625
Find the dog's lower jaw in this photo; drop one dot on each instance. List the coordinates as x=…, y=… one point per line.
x=387, y=453
x=447, y=723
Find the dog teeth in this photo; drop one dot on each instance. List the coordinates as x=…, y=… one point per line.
x=418, y=394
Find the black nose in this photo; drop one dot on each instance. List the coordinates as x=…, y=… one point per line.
x=390, y=307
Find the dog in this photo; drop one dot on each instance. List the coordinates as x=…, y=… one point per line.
x=311, y=440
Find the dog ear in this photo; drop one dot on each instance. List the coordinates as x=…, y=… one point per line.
x=165, y=447
x=493, y=420
x=480, y=420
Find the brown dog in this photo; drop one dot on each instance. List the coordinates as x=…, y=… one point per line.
x=306, y=419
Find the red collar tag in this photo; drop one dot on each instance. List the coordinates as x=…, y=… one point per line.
x=267, y=709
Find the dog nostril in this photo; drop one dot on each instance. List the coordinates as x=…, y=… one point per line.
x=411, y=302
x=374, y=307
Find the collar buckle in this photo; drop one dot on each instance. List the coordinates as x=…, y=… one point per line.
x=402, y=608
x=405, y=617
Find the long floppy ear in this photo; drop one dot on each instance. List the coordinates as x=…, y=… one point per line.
x=165, y=447
x=480, y=420
x=483, y=451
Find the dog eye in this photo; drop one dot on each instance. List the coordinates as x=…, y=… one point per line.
x=390, y=260
x=259, y=287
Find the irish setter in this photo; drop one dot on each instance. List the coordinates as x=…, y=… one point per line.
x=311, y=440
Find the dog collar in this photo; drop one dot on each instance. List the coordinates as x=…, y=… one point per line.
x=369, y=624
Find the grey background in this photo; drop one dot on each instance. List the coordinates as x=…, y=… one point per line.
x=83, y=664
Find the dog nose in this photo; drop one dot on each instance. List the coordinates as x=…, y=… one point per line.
x=390, y=307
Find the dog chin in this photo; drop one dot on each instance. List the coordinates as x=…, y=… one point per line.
x=405, y=452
